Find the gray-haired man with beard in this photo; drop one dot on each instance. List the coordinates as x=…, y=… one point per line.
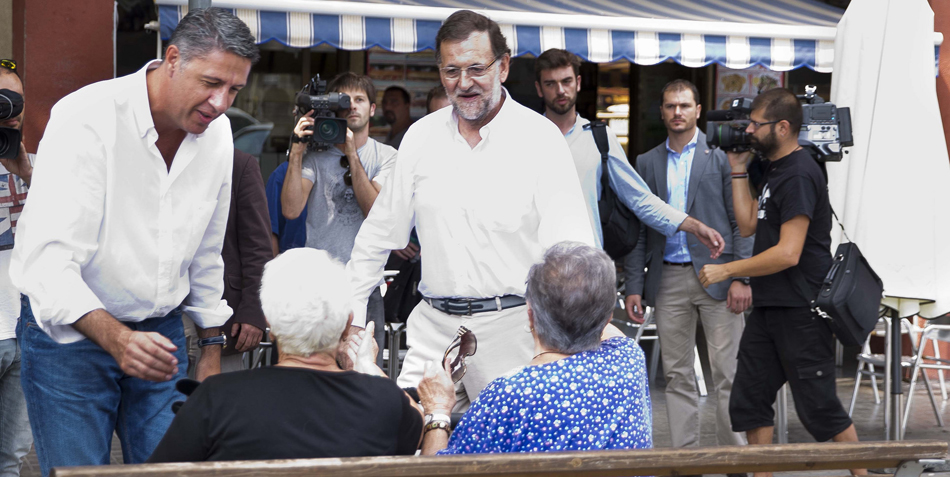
x=489, y=186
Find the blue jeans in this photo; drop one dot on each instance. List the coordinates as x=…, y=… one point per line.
x=77, y=396
x=15, y=436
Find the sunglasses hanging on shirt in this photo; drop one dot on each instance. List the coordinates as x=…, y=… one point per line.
x=347, y=178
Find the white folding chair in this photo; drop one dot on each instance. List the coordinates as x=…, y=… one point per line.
x=935, y=334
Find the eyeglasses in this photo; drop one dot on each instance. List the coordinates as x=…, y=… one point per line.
x=756, y=125
x=462, y=346
x=347, y=178
x=474, y=71
x=8, y=64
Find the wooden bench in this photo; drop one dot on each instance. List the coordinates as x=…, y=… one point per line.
x=909, y=457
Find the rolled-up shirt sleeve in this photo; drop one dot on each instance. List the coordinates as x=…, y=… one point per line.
x=634, y=192
x=58, y=229
x=204, y=304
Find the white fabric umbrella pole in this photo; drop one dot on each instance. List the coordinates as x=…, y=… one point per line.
x=888, y=191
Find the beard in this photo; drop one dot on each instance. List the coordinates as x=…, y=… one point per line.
x=766, y=147
x=552, y=106
x=357, y=123
x=479, y=109
x=389, y=116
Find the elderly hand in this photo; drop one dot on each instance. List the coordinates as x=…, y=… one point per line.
x=711, y=274
x=362, y=349
x=436, y=390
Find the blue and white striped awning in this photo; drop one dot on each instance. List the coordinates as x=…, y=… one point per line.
x=780, y=34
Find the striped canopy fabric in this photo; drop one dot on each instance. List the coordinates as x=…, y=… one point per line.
x=780, y=34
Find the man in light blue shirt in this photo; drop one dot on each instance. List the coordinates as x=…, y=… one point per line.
x=694, y=179
x=558, y=81
x=677, y=183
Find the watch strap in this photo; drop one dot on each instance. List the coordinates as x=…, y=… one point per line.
x=438, y=424
x=221, y=339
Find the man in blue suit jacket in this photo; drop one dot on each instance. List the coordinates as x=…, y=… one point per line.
x=696, y=180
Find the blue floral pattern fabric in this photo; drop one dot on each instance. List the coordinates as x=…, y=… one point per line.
x=593, y=400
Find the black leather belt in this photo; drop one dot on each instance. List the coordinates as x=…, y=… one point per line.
x=471, y=306
x=684, y=264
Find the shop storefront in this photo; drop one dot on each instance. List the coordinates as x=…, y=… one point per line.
x=727, y=48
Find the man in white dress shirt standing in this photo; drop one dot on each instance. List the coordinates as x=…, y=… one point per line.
x=123, y=232
x=489, y=186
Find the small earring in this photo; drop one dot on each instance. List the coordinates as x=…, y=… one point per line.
x=527, y=328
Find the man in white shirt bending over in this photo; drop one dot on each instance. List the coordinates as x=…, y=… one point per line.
x=489, y=186
x=123, y=232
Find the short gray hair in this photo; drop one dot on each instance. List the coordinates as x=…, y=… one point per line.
x=306, y=295
x=572, y=295
x=207, y=29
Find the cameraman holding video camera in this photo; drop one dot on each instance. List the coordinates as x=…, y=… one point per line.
x=16, y=439
x=784, y=341
x=339, y=185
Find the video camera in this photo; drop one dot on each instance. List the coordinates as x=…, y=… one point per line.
x=327, y=128
x=826, y=128
x=11, y=105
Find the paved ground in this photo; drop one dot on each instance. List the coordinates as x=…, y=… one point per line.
x=868, y=418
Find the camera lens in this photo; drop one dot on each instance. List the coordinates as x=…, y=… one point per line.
x=4, y=145
x=728, y=137
x=328, y=130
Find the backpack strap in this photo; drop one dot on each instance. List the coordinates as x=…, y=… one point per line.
x=599, y=129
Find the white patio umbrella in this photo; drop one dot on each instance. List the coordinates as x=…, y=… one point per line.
x=889, y=190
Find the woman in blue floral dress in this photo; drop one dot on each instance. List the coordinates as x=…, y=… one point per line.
x=586, y=388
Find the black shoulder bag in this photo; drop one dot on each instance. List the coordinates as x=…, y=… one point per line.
x=850, y=295
x=620, y=225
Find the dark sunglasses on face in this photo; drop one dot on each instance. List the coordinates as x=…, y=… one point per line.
x=347, y=177
x=462, y=346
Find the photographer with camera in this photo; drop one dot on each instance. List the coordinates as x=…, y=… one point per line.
x=338, y=185
x=784, y=340
x=16, y=170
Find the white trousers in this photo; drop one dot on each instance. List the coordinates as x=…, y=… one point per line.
x=502, y=345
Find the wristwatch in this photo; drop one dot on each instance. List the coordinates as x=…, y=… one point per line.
x=437, y=421
x=743, y=280
x=221, y=339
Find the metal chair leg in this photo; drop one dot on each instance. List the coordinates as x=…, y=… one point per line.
x=915, y=370
x=877, y=392
x=943, y=384
x=698, y=373
x=857, y=385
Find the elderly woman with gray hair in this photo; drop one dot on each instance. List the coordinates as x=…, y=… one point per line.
x=307, y=406
x=585, y=388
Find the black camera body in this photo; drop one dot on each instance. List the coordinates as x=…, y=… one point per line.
x=11, y=105
x=826, y=128
x=327, y=128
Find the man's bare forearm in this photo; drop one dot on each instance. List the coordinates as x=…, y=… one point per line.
x=364, y=189
x=744, y=207
x=211, y=352
x=292, y=199
x=771, y=261
x=103, y=329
